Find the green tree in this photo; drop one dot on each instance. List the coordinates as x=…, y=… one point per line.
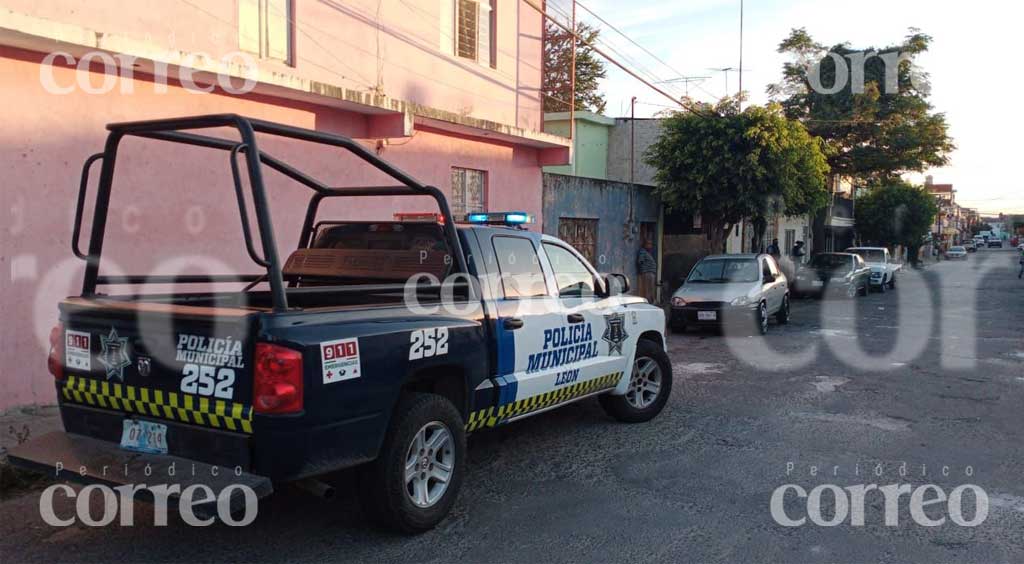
x=979, y=227
x=729, y=165
x=590, y=69
x=877, y=132
x=896, y=213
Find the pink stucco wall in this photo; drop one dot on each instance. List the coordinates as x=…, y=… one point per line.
x=171, y=202
x=390, y=47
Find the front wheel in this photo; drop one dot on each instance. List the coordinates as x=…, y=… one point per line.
x=650, y=385
x=414, y=481
x=761, y=319
x=892, y=283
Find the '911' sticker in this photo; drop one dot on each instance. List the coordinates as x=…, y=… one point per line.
x=340, y=360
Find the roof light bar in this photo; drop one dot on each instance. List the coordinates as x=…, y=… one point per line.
x=514, y=218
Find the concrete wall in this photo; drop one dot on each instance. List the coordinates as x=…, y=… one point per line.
x=608, y=202
x=645, y=133
x=174, y=202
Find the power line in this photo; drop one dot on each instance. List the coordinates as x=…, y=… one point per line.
x=615, y=62
x=641, y=47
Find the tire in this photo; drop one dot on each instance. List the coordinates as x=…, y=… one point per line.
x=783, y=314
x=852, y=291
x=892, y=283
x=881, y=287
x=636, y=406
x=384, y=491
x=761, y=319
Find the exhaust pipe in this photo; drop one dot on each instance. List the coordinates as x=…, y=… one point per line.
x=315, y=487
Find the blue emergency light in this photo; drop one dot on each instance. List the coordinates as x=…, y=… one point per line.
x=500, y=218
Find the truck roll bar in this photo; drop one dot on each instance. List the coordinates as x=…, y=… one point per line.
x=178, y=130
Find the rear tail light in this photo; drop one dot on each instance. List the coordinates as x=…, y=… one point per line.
x=55, y=362
x=278, y=380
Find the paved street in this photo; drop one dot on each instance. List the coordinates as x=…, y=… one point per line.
x=695, y=484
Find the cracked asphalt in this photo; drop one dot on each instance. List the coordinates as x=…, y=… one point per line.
x=930, y=375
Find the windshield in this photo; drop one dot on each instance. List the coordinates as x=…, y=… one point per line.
x=958, y=249
x=724, y=271
x=830, y=262
x=870, y=255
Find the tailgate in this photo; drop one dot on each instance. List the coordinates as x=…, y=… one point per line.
x=185, y=364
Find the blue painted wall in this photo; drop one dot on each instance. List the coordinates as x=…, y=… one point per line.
x=608, y=202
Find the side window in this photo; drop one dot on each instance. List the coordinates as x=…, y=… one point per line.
x=521, y=275
x=766, y=270
x=773, y=266
x=573, y=277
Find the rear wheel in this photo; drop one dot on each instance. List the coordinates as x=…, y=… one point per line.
x=414, y=481
x=783, y=315
x=852, y=291
x=650, y=385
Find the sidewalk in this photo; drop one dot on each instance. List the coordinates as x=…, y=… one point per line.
x=18, y=425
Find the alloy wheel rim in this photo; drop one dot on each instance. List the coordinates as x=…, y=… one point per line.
x=764, y=318
x=644, y=384
x=429, y=464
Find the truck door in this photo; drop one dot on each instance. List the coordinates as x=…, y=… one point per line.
x=603, y=320
x=529, y=326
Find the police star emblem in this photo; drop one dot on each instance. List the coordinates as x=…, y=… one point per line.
x=114, y=355
x=615, y=332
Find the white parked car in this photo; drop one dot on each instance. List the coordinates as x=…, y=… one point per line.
x=731, y=289
x=883, y=267
x=956, y=253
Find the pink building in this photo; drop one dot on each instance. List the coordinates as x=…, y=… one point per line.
x=447, y=90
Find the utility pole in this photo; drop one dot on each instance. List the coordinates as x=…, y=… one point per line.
x=741, y=53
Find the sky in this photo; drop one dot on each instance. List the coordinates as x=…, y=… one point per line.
x=975, y=81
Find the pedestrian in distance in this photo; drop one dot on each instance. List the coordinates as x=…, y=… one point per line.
x=798, y=252
x=774, y=249
x=647, y=269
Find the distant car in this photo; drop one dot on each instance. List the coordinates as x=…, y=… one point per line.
x=995, y=244
x=971, y=247
x=955, y=253
x=833, y=273
x=883, y=268
x=731, y=289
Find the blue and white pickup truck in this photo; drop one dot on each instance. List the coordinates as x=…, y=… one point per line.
x=374, y=344
x=884, y=269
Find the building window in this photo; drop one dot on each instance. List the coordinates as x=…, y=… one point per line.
x=790, y=242
x=468, y=30
x=265, y=28
x=581, y=234
x=469, y=191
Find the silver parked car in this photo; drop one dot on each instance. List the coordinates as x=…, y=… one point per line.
x=726, y=289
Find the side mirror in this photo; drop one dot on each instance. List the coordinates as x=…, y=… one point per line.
x=616, y=284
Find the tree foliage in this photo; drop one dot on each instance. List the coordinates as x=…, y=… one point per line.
x=729, y=165
x=876, y=133
x=896, y=213
x=590, y=69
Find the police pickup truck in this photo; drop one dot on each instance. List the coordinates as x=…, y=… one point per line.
x=375, y=344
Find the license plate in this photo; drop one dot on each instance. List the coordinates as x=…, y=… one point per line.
x=144, y=436
x=707, y=315
x=818, y=283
